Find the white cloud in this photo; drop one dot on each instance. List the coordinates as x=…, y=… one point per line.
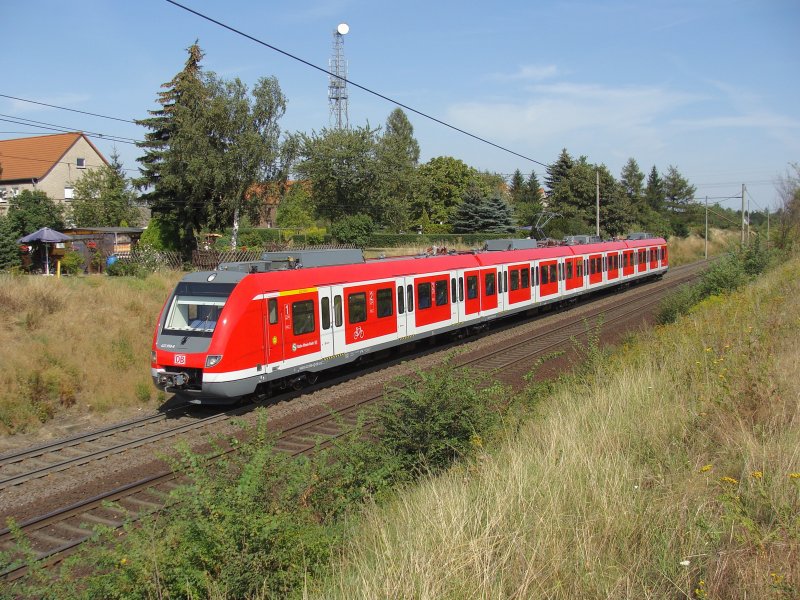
x=529, y=73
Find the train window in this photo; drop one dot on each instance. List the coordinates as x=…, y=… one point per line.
x=303, y=317
x=401, y=300
x=453, y=290
x=553, y=273
x=535, y=276
x=326, y=313
x=514, y=279
x=357, y=307
x=410, y=297
x=441, y=293
x=505, y=280
x=460, y=289
x=272, y=308
x=472, y=287
x=337, y=310
x=579, y=264
x=526, y=276
x=569, y=269
x=490, y=281
x=424, y=295
x=385, y=308
x=545, y=275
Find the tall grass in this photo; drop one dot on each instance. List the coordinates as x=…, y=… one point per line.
x=672, y=470
x=75, y=345
x=692, y=248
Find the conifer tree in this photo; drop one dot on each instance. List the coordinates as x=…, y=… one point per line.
x=654, y=192
x=9, y=250
x=559, y=170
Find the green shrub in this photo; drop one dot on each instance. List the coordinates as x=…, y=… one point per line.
x=355, y=230
x=72, y=262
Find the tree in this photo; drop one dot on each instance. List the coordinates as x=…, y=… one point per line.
x=340, y=165
x=632, y=182
x=295, y=210
x=527, y=201
x=678, y=200
x=174, y=165
x=789, y=212
x=477, y=213
x=105, y=198
x=559, y=170
x=654, y=192
x=354, y=230
x=30, y=210
x=9, y=249
x=442, y=182
x=397, y=155
x=498, y=214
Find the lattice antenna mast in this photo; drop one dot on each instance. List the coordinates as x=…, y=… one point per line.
x=337, y=88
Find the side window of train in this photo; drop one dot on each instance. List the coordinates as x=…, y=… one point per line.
x=453, y=290
x=337, y=310
x=535, y=280
x=441, y=292
x=424, y=295
x=514, y=279
x=490, y=281
x=385, y=302
x=472, y=287
x=460, y=289
x=545, y=275
x=357, y=307
x=326, y=313
x=410, y=297
x=569, y=270
x=579, y=264
x=303, y=317
x=526, y=276
x=553, y=273
x=272, y=308
x=505, y=280
x=401, y=300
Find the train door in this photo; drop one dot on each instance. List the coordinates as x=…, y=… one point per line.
x=400, y=291
x=337, y=336
x=470, y=307
x=274, y=331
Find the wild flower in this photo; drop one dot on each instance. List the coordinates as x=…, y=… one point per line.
x=730, y=480
x=706, y=468
x=794, y=475
x=757, y=474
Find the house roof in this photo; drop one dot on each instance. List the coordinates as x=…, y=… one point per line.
x=24, y=159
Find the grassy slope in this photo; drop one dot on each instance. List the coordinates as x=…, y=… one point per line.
x=76, y=345
x=672, y=472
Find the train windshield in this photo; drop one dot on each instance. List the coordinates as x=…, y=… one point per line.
x=196, y=307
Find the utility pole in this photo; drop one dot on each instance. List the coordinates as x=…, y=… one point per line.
x=597, y=228
x=742, y=215
x=706, y=227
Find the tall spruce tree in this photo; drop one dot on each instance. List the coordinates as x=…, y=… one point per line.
x=175, y=174
x=559, y=170
x=654, y=192
x=397, y=155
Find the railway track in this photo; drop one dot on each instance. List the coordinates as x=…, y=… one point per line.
x=53, y=536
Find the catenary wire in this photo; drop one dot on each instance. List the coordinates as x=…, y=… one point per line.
x=356, y=85
x=75, y=110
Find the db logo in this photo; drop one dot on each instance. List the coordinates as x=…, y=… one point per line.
x=180, y=359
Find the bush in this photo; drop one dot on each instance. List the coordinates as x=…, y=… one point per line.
x=355, y=230
x=72, y=263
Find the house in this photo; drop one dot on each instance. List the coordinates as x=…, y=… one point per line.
x=49, y=163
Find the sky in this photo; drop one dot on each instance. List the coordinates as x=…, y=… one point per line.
x=710, y=87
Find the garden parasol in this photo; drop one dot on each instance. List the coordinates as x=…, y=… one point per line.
x=46, y=236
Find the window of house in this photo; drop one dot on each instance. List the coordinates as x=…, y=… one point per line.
x=81, y=163
x=357, y=307
x=303, y=317
x=424, y=295
x=441, y=293
x=69, y=193
x=385, y=308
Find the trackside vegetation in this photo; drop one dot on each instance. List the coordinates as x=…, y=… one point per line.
x=667, y=468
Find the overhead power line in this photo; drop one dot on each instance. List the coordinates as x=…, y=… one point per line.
x=63, y=129
x=354, y=84
x=75, y=110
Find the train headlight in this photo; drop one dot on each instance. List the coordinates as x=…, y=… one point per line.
x=212, y=360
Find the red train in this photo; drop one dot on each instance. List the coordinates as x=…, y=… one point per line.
x=224, y=334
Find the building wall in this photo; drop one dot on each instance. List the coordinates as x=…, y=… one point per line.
x=62, y=176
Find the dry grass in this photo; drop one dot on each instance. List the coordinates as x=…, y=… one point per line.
x=76, y=346
x=672, y=472
x=692, y=248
